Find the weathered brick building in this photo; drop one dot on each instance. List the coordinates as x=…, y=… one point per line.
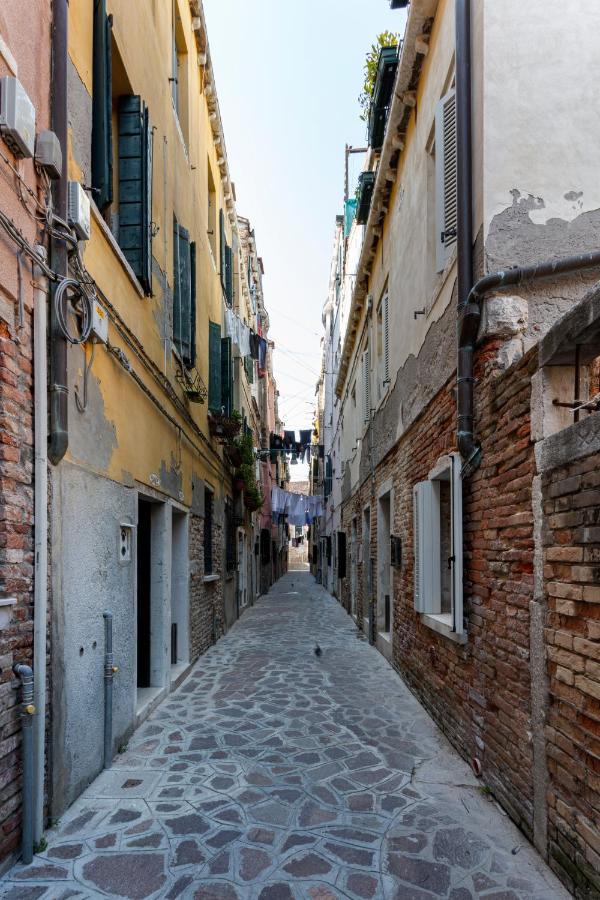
x=24, y=54
x=471, y=535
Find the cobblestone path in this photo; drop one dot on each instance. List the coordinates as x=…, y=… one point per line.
x=273, y=774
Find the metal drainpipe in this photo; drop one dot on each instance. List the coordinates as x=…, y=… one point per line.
x=25, y=673
x=59, y=425
x=40, y=621
x=470, y=296
x=109, y=673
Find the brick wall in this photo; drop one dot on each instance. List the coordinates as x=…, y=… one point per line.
x=207, y=612
x=16, y=558
x=571, y=534
x=478, y=693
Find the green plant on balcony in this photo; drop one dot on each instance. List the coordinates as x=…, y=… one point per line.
x=253, y=498
x=385, y=39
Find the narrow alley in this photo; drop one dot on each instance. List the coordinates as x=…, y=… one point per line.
x=275, y=772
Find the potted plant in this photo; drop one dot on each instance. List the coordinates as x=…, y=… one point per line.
x=253, y=499
x=224, y=427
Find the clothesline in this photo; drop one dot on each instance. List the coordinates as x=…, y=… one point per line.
x=300, y=509
x=248, y=342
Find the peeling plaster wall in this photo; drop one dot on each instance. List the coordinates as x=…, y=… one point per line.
x=541, y=192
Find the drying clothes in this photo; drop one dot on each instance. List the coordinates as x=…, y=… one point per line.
x=229, y=323
x=244, y=344
x=262, y=355
x=305, y=438
x=289, y=440
x=254, y=341
x=276, y=442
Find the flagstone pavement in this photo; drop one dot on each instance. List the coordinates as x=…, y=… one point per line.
x=274, y=773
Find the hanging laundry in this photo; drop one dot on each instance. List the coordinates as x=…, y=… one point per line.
x=262, y=356
x=289, y=440
x=244, y=344
x=254, y=342
x=276, y=442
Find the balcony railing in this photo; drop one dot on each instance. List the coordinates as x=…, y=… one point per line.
x=364, y=195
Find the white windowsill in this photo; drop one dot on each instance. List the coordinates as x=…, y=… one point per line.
x=385, y=635
x=443, y=625
x=208, y=579
x=115, y=247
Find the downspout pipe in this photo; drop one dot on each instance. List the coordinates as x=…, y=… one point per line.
x=471, y=296
x=25, y=673
x=40, y=621
x=59, y=424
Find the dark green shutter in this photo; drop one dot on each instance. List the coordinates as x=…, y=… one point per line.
x=176, y=286
x=226, y=376
x=185, y=296
x=214, y=367
x=102, y=168
x=192, y=361
x=229, y=274
x=135, y=187
x=222, y=246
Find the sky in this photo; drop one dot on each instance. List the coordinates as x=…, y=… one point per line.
x=288, y=76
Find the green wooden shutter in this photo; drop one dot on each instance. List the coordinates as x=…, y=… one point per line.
x=192, y=361
x=135, y=194
x=229, y=274
x=102, y=168
x=184, y=343
x=214, y=367
x=226, y=376
x=176, y=286
x=222, y=246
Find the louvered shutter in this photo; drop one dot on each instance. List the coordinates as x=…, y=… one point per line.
x=192, y=357
x=214, y=367
x=226, y=376
x=426, y=538
x=135, y=192
x=386, y=340
x=222, y=249
x=102, y=154
x=366, y=386
x=457, y=544
x=229, y=274
x=185, y=296
x=445, y=186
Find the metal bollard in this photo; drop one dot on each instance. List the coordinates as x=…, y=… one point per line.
x=25, y=673
x=109, y=673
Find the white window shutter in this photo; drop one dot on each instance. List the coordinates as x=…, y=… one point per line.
x=386, y=341
x=366, y=386
x=457, y=544
x=445, y=179
x=427, y=547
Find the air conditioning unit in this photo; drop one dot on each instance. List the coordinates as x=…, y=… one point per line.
x=17, y=117
x=79, y=211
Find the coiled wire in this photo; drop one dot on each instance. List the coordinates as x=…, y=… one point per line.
x=81, y=302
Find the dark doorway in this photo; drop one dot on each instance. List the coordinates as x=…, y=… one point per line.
x=144, y=544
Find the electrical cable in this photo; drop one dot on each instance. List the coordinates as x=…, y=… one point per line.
x=82, y=404
x=85, y=310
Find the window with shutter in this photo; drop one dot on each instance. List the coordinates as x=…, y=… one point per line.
x=386, y=341
x=426, y=549
x=222, y=246
x=445, y=186
x=192, y=357
x=229, y=274
x=341, y=554
x=457, y=544
x=366, y=373
x=214, y=367
x=135, y=187
x=226, y=376
x=102, y=151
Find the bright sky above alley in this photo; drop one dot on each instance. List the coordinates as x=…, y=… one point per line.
x=288, y=78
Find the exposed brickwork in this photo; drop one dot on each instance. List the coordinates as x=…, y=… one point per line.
x=16, y=558
x=207, y=612
x=478, y=693
x=571, y=497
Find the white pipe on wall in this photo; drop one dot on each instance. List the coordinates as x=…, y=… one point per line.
x=40, y=299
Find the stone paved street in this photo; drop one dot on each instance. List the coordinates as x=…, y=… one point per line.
x=275, y=774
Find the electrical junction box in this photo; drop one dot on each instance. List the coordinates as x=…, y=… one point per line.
x=48, y=155
x=79, y=211
x=99, y=328
x=17, y=117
